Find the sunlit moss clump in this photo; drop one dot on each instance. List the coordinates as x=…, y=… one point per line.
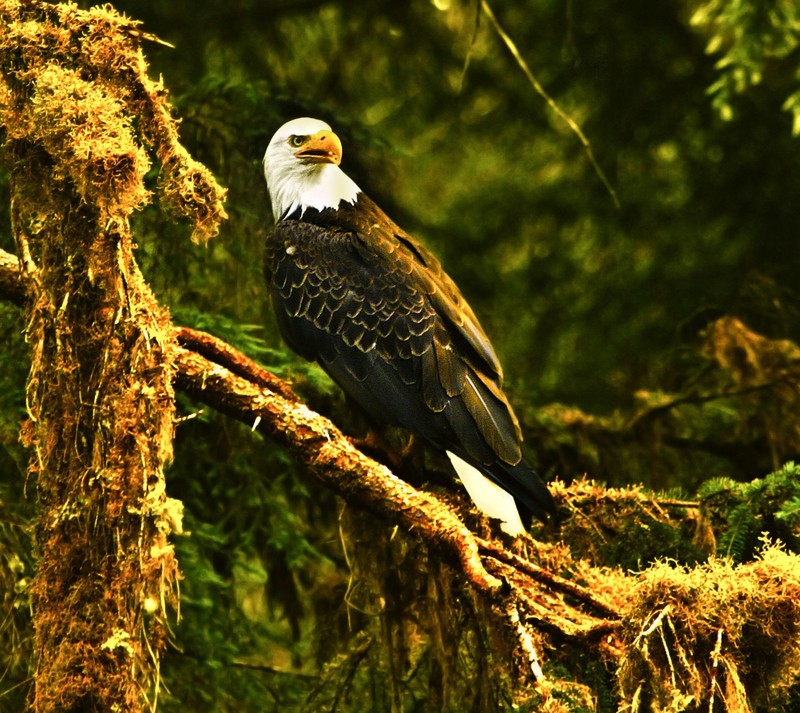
x=716, y=631
x=80, y=75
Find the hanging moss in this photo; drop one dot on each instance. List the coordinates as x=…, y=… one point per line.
x=80, y=121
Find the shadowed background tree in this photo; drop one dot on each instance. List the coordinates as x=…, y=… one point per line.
x=605, y=318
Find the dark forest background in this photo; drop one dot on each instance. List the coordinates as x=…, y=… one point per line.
x=605, y=317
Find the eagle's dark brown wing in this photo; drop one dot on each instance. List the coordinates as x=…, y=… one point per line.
x=376, y=310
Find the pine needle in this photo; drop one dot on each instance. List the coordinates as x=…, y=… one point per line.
x=540, y=90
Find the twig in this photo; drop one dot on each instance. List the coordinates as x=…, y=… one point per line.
x=674, y=503
x=714, y=667
x=266, y=668
x=695, y=399
x=673, y=677
x=658, y=624
x=471, y=47
x=526, y=642
x=552, y=580
x=354, y=658
x=654, y=624
x=540, y=90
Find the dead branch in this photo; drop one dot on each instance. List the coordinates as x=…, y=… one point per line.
x=553, y=581
x=220, y=352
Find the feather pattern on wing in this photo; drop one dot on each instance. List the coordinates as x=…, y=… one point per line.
x=375, y=308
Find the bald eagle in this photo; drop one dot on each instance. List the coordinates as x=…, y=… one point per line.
x=354, y=292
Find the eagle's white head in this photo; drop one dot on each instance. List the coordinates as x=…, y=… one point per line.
x=301, y=166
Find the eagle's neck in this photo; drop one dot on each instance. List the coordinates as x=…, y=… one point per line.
x=297, y=187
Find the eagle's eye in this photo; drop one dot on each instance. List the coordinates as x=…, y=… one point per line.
x=297, y=141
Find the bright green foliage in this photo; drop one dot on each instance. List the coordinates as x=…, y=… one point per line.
x=745, y=512
x=753, y=37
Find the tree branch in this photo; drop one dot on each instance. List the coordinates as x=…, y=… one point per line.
x=317, y=443
x=12, y=287
x=223, y=378
x=220, y=352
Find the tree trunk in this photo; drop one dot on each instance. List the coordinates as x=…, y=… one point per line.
x=101, y=420
x=78, y=113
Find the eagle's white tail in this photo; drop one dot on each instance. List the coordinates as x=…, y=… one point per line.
x=488, y=496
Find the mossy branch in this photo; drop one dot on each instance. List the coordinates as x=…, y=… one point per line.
x=216, y=374
x=663, y=622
